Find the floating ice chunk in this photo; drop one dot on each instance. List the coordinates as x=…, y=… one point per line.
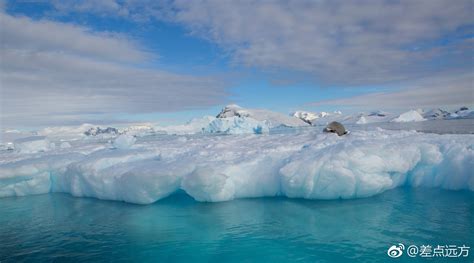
x=124, y=141
x=409, y=116
x=33, y=144
x=236, y=125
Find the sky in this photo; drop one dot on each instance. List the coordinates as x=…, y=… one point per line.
x=118, y=61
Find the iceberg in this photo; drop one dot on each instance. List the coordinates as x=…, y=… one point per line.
x=409, y=116
x=236, y=125
x=272, y=119
x=304, y=164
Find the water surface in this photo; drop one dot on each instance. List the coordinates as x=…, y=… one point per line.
x=58, y=227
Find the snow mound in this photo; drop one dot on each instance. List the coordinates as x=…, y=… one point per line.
x=409, y=116
x=33, y=144
x=236, y=125
x=308, y=164
x=272, y=119
x=124, y=141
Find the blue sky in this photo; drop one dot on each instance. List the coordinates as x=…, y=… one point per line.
x=169, y=61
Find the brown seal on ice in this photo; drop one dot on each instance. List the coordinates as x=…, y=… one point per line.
x=335, y=127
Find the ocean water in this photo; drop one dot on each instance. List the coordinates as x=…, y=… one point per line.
x=60, y=228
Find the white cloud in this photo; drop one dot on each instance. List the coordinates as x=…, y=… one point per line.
x=103, y=7
x=339, y=42
x=334, y=42
x=44, y=36
x=56, y=71
x=451, y=91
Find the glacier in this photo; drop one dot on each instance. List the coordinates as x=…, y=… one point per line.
x=303, y=163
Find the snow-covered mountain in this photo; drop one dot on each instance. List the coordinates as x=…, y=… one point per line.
x=313, y=118
x=305, y=116
x=436, y=114
x=463, y=113
x=94, y=131
x=233, y=119
x=139, y=130
x=272, y=119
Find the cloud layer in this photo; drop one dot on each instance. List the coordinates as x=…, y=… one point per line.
x=335, y=42
x=63, y=70
x=338, y=42
x=451, y=91
x=53, y=72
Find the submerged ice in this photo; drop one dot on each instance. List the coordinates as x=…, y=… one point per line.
x=302, y=164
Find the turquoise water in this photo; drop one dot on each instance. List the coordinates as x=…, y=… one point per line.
x=59, y=227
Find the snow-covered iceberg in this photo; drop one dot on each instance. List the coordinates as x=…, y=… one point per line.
x=409, y=116
x=305, y=164
x=236, y=125
x=271, y=118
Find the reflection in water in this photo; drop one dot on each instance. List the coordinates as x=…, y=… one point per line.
x=58, y=226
